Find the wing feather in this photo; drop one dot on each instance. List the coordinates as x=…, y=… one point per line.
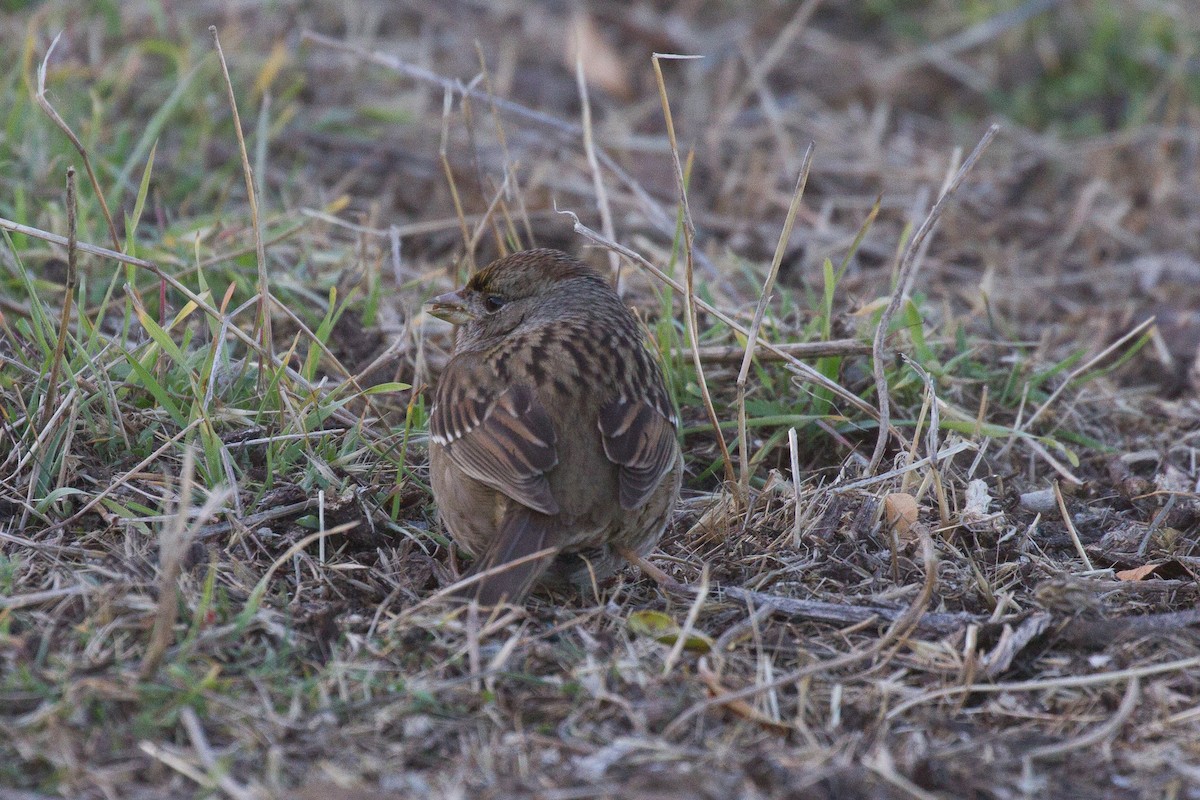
x=507, y=442
x=640, y=437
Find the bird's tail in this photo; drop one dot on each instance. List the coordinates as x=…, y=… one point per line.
x=524, y=548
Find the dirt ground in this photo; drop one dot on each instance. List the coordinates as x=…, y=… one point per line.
x=1004, y=606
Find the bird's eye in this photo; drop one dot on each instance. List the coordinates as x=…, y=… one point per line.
x=493, y=302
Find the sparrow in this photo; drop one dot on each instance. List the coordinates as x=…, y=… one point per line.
x=553, y=441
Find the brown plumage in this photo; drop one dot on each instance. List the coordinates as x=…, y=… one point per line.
x=551, y=426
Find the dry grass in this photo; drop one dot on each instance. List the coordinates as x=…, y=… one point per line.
x=218, y=559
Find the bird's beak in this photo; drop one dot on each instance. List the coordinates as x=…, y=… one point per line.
x=452, y=307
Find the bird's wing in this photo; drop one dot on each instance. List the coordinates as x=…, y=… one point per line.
x=505, y=441
x=639, y=435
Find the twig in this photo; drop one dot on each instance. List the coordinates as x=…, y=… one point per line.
x=217, y=773
x=488, y=219
x=1066, y=517
x=785, y=234
x=46, y=596
x=740, y=707
x=171, y=548
x=689, y=622
x=44, y=433
x=263, y=323
x=1100, y=633
x=689, y=235
x=89, y=505
x=901, y=628
x=659, y=218
x=1039, y=449
x=931, y=438
x=256, y=520
x=444, y=158
x=260, y=589
x=880, y=762
x=511, y=180
x=1091, y=362
x=39, y=546
x=794, y=452
x=936, y=52
x=761, y=68
x=782, y=352
x=1156, y=524
x=908, y=266
x=174, y=538
x=646, y=566
x=1103, y=731
x=68, y=295
x=482, y=181
x=941, y=623
x=449, y=592
x=952, y=450
x=589, y=149
x=177, y=763
x=65, y=128
x=1068, y=682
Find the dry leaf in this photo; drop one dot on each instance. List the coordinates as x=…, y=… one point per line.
x=1040, y=501
x=739, y=707
x=1012, y=642
x=975, y=514
x=1126, y=481
x=901, y=512
x=714, y=523
x=602, y=65
x=1171, y=569
x=1137, y=573
x=662, y=629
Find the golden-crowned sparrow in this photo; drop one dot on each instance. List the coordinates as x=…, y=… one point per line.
x=551, y=427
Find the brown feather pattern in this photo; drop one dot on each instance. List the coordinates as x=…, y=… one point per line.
x=551, y=426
